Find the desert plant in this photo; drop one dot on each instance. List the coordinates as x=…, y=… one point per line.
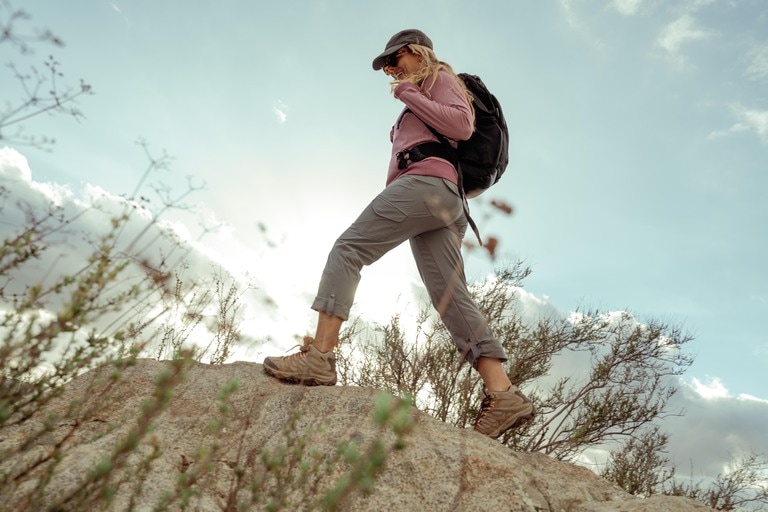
x=291, y=475
x=624, y=384
x=615, y=395
x=295, y=475
x=99, y=316
x=742, y=486
x=42, y=91
x=640, y=467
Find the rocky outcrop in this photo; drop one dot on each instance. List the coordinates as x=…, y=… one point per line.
x=442, y=468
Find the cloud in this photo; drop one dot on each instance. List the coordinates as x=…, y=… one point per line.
x=715, y=389
x=280, y=109
x=715, y=426
x=695, y=5
x=282, y=117
x=678, y=33
x=15, y=169
x=81, y=219
x=532, y=308
x=755, y=120
x=120, y=13
x=92, y=213
x=712, y=424
x=575, y=22
x=712, y=428
x=14, y=166
x=627, y=7
x=570, y=14
x=747, y=120
x=758, y=66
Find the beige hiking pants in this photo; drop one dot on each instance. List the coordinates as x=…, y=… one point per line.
x=428, y=212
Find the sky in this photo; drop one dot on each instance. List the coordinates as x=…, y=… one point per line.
x=637, y=174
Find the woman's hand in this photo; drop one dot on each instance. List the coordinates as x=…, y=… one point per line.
x=394, y=72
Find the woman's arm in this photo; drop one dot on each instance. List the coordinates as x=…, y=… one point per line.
x=445, y=107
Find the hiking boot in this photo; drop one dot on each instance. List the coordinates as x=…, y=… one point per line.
x=309, y=366
x=503, y=410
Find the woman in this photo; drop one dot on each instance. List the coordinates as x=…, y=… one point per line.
x=421, y=203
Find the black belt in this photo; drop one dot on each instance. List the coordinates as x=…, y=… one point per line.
x=422, y=151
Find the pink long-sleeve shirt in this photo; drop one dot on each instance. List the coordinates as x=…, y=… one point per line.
x=446, y=109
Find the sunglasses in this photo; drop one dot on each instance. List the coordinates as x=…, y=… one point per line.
x=393, y=59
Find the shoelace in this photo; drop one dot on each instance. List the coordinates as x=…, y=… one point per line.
x=485, y=406
x=303, y=349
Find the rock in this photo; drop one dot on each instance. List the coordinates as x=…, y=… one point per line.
x=442, y=468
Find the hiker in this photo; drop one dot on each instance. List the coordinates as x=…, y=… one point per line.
x=421, y=203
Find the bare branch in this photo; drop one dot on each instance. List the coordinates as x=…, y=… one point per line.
x=21, y=37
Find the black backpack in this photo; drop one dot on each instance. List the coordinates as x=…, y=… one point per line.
x=481, y=159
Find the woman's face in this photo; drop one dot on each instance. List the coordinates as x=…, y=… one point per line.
x=402, y=63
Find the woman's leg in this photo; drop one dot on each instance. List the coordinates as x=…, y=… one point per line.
x=438, y=258
x=493, y=374
x=327, y=332
x=398, y=213
x=441, y=266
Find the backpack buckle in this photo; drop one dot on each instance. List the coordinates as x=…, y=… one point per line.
x=403, y=159
x=407, y=157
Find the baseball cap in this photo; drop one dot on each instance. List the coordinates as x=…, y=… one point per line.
x=397, y=41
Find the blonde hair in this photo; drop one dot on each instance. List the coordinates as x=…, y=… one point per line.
x=427, y=73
